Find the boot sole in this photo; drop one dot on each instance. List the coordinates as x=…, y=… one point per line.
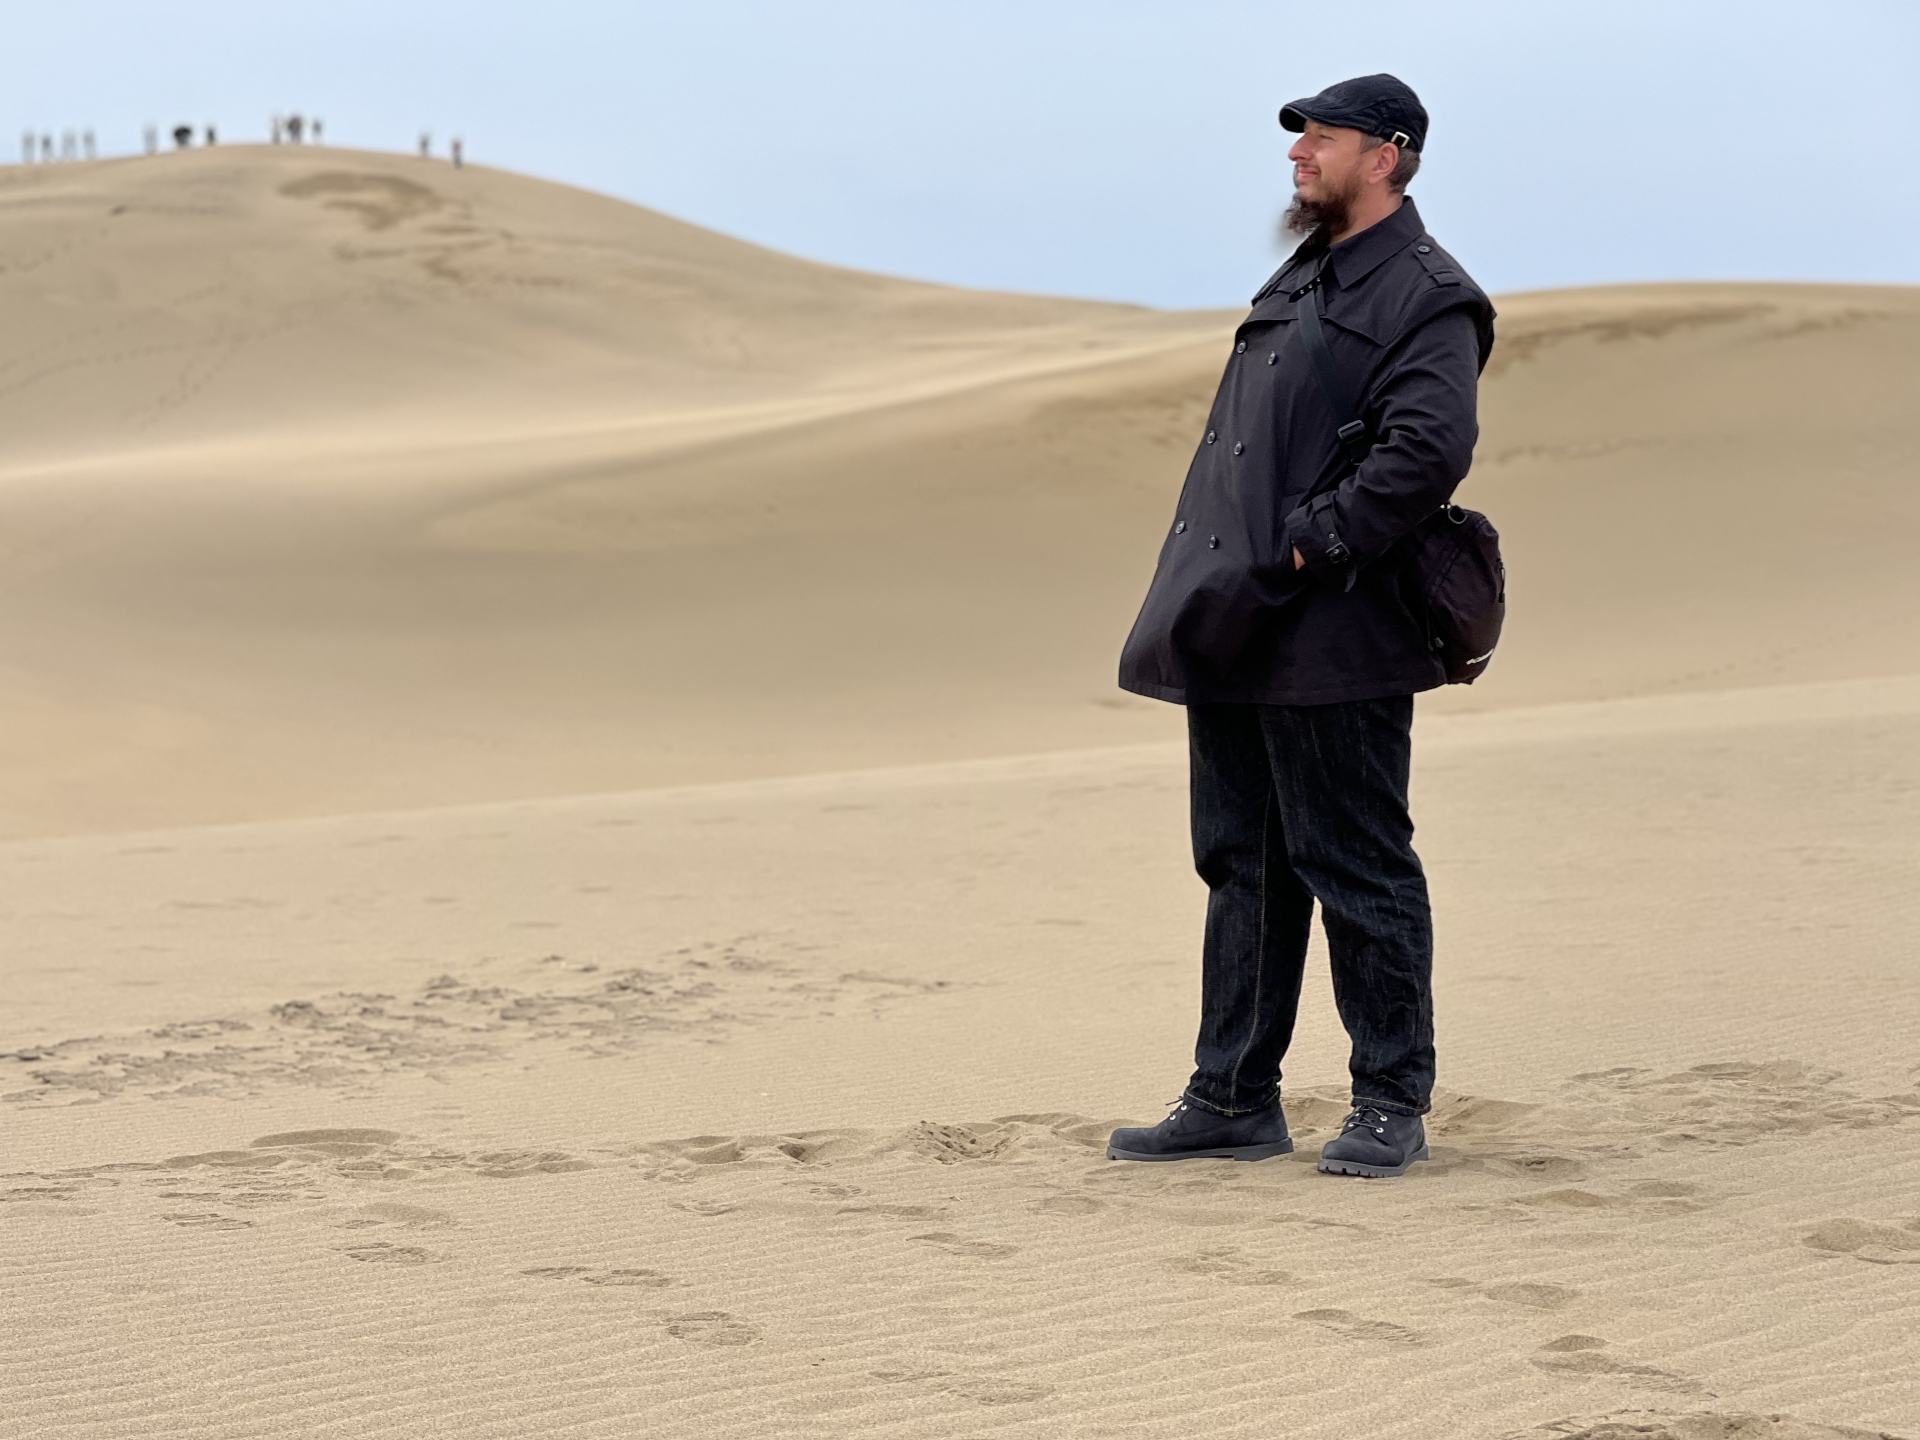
x=1356, y=1167
x=1231, y=1152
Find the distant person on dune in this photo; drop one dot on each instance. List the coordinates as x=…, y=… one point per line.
x=150, y=136
x=316, y=129
x=211, y=139
x=295, y=125
x=454, y=148
x=46, y=148
x=26, y=148
x=1277, y=615
x=426, y=144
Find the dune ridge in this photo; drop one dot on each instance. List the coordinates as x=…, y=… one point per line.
x=337, y=481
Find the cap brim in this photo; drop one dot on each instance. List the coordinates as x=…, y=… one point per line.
x=1292, y=117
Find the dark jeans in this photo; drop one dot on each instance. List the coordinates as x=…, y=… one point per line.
x=1291, y=803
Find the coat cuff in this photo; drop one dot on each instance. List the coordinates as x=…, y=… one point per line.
x=1312, y=527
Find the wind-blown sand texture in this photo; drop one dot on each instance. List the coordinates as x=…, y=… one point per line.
x=574, y=864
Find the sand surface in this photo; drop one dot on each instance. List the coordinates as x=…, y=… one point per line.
x=573, y=863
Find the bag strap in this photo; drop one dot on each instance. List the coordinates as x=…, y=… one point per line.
x=1354, y=440
x=1354, y=443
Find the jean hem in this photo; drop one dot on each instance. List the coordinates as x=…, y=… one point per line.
x=1394, y=1107
x=1194, y=1099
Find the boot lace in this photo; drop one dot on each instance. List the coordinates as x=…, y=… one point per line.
x=1362, y=1117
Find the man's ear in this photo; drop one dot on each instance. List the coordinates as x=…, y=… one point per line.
x=1392, y=153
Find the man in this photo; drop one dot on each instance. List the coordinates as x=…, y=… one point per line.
x=1277, y=617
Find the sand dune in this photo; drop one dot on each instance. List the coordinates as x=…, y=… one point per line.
x=573, y=863
x=337, y=481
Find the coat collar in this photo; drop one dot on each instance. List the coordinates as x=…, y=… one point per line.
x=1357, y=256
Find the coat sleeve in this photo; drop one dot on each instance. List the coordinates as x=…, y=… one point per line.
x=1425, y=427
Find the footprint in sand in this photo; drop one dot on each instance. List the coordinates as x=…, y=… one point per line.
x=1358, y=1327
x=207, y=1220
x=379, y=1154
x=645, y=1279
x=1226, y=1263
x=952, y=1143
x=1876, y=1244
x=400, y=1217
x=338, y=1143
x=711, y=1327
x=830, y=1192
x=20, y=1193
x=1315, y=1222
x=1653, y=1197
x=1530, y=1166
x=704, y=1207
x=1664, y=1189
x=982, y=1389
x=1066, y=1205
x=1691, y=1425
x=1534, y=1294
x=224, y=1160
x=515, y=1164
x=381, y=1253
x=903, y=1212
x=1570, y=1198
x=1579, y=1355
x=1749, y=1100
x=977, y=1249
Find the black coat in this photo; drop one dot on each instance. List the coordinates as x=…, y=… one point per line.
x=1227, y=617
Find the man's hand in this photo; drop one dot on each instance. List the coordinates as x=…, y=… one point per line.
x=1299, y=560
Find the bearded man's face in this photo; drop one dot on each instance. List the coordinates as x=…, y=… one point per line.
x=1327, y=165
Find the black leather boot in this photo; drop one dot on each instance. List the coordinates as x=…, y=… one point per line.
x=1192, y=1133
x=1375, y=1142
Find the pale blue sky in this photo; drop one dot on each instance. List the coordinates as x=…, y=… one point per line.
x=1117, y=150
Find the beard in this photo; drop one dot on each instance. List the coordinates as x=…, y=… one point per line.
x=1317, y=219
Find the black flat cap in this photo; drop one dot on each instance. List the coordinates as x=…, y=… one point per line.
x=1378, y=104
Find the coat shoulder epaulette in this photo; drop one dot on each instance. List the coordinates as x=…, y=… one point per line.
x=1440, y=266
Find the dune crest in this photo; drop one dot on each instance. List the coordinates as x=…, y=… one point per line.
x=334, y=481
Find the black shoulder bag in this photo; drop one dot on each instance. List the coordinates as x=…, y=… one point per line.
x=1452, y=559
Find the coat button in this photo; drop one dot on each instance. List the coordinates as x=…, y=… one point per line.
x=1179, y=527
x=1213, y=542
x=1271, y=357
x=1209, y=437
x=1425, y=249
x=1238, y=447
x=1241, y=348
